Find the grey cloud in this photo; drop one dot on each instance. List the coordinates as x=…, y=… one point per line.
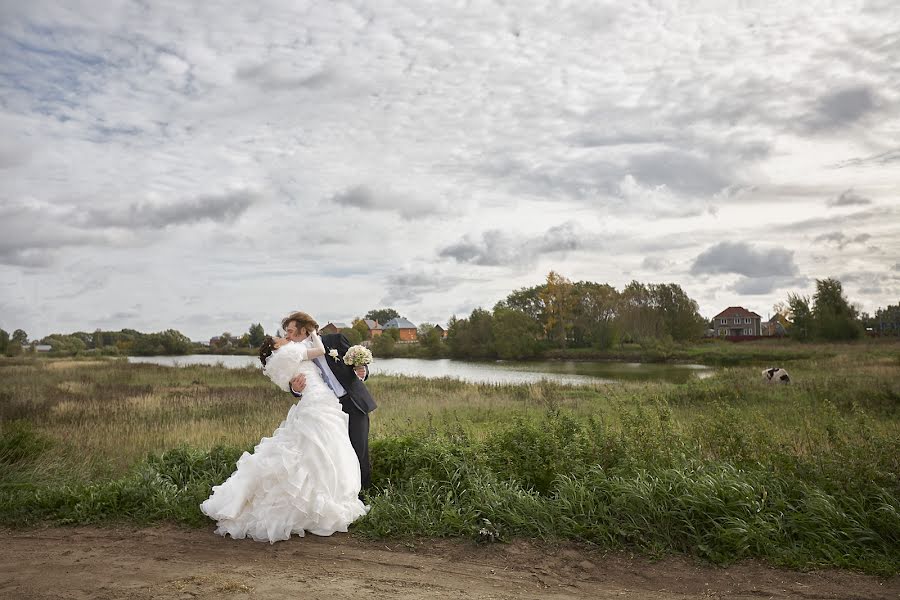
x=897, y=266
x=11, y=156
x=843, y=107
x=757, y=286
x=871, y=216
x=842, y=241
x=408, y=287
x=220, y=208
x=655, y=263
x=276, y=75
x=496, y=248
x=367, y=199
x=884, y=158
x=357, y=197
x=679, y=171
x=743, y=259
x=30, y=235
x=849, y=198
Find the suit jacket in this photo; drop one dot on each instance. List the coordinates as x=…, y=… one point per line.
x=356, y=389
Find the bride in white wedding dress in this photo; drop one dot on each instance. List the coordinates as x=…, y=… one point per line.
x=306, y=476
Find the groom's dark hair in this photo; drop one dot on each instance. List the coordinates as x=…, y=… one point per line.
x=302, y=319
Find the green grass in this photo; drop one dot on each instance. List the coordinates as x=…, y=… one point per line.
x=805, y=475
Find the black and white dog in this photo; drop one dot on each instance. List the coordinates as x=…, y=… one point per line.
x=776, y=375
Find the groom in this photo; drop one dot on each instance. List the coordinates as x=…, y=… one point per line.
x=346, y=381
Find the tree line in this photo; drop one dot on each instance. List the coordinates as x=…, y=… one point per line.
x=560, y=313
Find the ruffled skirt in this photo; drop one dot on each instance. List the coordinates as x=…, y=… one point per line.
x=303, y=478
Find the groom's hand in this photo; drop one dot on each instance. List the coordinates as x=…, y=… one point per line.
x=298, y=384
x=360, y=372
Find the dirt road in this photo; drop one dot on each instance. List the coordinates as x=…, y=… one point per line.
x=188, y=564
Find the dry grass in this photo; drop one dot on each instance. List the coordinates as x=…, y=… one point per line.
x=113, y=413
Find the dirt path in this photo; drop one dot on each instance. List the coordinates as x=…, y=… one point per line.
x=186, y=564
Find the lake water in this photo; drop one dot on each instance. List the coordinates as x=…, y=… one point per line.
x=501, y=372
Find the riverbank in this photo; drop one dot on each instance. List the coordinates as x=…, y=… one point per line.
x=802, y=475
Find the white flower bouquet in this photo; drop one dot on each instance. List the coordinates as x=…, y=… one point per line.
x=357, y=356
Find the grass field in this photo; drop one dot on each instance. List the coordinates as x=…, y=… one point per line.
x=803, y=475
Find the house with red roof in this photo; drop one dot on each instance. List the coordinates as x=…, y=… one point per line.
x=737, y=321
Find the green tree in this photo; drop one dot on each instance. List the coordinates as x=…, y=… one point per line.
x=527, y=300
x=680, y=315
x=363, y=329
x=638, y=317
x=833, y=316
x=472, y=337
x=559, y=305
x=515, y=334
x=383, y=345
x=174, y=342
x=801, y=315
x=257, y=335
x=429, y=339
x=19, y=337
x=352, y=334
x=4, y=341
x=886, y=320
x=382, y=315
x=593, y=314
x=65, y=344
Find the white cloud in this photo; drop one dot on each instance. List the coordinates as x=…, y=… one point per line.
x=236, y=160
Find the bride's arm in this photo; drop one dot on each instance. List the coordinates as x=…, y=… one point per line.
x=318, y=348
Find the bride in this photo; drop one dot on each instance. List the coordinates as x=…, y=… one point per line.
x=306, y=476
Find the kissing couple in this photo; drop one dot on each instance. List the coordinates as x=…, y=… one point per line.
x=309, y=475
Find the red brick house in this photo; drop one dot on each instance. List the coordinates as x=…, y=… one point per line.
x=737, y=321
x=374, y=328
x=333, y=328
x=408, y=331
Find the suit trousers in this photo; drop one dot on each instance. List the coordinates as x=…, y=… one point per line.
x=358, y=428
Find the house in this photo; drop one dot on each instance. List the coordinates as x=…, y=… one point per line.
x=374, y=328
x=441, y=331
x=407, y=329
x=737, y=321
x=777, y=326
x=37, y=347
x=333, y=327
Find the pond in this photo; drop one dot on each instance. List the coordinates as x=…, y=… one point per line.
x=500, y=372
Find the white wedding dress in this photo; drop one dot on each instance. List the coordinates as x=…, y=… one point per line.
x=303, y=478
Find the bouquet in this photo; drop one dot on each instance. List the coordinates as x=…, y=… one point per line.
x=357, y=356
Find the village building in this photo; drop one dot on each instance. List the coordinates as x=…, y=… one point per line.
x=736, y=322
x=333, y=327
x=375, y=329
x=407, y=329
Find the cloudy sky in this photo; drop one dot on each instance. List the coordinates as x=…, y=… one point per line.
x=205, y=166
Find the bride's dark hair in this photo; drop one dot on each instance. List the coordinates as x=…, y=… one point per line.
x=266, y=349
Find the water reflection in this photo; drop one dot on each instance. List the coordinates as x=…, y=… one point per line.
x=499, y=372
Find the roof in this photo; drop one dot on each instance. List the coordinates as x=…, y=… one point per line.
x=372, y=324
x=338, y=325
x=399, y=323
x=737, y=311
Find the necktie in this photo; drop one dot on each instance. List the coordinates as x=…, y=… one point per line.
x=330, y=380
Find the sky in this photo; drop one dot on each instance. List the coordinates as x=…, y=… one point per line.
x=204, y=166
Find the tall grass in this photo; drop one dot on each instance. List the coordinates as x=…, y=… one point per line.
x=803, y=475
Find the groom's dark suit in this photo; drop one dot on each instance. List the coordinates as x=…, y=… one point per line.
x=357, y=402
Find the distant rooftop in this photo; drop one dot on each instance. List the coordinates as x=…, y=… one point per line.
x=399, y=323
